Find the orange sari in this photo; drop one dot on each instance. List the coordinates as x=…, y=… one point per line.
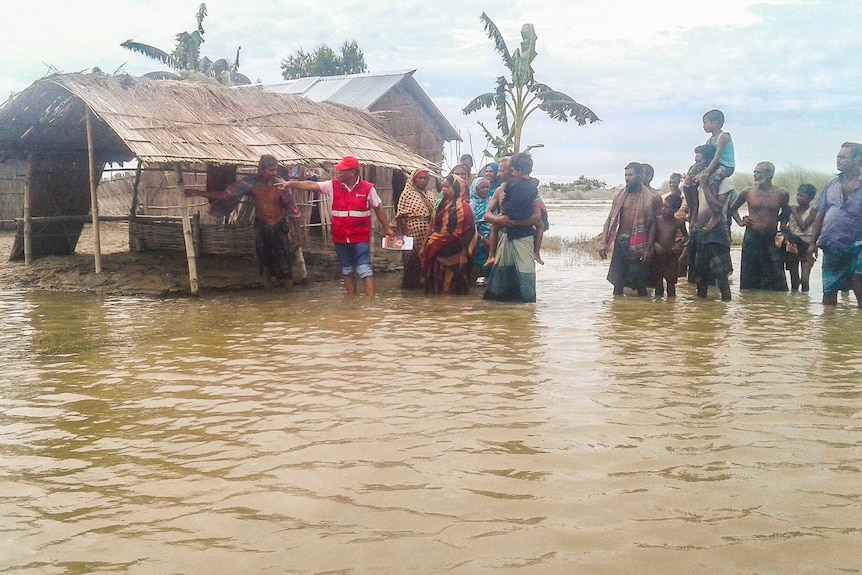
x=448, y=253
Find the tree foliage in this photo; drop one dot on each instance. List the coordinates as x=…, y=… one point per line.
x=323, y=61
x=186, y=58
x=517, y=96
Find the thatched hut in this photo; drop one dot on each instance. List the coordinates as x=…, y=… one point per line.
x=66, y=128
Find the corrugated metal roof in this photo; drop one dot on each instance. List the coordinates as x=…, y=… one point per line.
x=355, y=90
x=363, y=91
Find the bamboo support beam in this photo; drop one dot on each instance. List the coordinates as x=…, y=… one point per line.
x=57, y=219
x=187, y=234
x=94, y=200
x=28, y=223
x=133, y=211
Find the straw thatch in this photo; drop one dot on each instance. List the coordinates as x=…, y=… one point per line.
x=173, y=126
x=163, y=122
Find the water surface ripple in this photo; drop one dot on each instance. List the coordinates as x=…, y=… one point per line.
x=316, y=434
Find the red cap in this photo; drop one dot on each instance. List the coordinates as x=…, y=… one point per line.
x=348, y=163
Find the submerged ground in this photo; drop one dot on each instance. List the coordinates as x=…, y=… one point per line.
x=161, y=273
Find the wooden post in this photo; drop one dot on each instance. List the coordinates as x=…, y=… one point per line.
x=300, y=270
x=28, y=222
x=196, y=233
x=187, y=233
x=135, y=242
x=94, y=200
x=133, y=212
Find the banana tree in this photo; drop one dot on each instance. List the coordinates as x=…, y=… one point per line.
x=516, y=97
x=186, y=57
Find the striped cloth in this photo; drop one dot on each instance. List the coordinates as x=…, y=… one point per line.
x=839, y=266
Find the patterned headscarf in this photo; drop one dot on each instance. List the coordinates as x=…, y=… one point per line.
x=415, y=206
x=494, y=184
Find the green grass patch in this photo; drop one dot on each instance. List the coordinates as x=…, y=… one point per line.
x=789, y=179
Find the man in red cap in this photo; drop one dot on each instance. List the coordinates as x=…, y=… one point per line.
x=352, y=200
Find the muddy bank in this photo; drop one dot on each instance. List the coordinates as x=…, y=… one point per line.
x=157, y=273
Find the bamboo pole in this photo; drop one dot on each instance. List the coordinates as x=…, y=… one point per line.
x=94, y=200
x=82, y=218
x=28, y=222
x=133, y=211
x=134, y=241
x=187, y=233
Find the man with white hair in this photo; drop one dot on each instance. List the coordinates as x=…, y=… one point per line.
x=768, y=211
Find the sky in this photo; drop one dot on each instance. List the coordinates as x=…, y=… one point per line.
x=786, y=73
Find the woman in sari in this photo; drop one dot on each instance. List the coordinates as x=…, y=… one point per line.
x=490, y=172
x=413, y=218
x=481, y=191
x=447, y=257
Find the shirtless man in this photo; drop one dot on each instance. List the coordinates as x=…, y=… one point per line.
x=631, y=228
x=768, y=208
x=276, y=219
x=648, y=175
x=709, y=240
x=673, y=183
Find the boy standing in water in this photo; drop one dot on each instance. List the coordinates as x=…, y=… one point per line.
x=798, y=234
x=670, y=235
x=722, y=165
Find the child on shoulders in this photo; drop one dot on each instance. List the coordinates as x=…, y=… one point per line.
x=724, y=161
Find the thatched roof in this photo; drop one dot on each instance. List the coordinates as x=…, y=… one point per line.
x=165, y=122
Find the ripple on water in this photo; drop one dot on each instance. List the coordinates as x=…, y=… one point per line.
x=413, y=434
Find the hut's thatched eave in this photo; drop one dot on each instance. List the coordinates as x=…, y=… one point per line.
x=163, y=122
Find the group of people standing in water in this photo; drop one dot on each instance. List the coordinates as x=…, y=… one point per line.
x=487, y=230
x=479, y=230
x=475, y=231
x=686, y=232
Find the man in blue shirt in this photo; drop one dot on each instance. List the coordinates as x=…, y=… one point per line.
x=838, y=227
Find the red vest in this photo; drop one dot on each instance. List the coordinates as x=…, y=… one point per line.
x=351, y=215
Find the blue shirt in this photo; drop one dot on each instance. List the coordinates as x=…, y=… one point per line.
x=842, y=221
x=727, y=157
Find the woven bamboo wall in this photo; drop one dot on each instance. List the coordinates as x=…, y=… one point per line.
x=11, y=192
x=409, y=124
x=159, y=197
x=60, y=186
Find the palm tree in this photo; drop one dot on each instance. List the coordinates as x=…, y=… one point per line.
x=519, y=95
x=186, y=58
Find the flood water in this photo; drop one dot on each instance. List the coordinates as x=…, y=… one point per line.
x=312, y=433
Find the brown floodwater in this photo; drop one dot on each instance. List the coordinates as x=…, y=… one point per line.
x=313, y=433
